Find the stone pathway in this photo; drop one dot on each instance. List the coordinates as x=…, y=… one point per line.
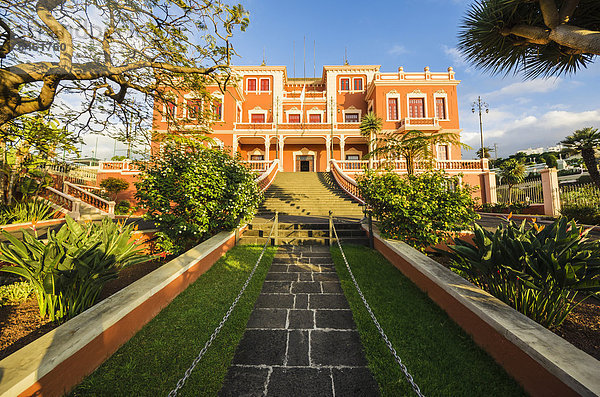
x=300, y=339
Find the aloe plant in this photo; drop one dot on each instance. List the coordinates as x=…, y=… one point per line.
x=70, y=269
x=535, y=269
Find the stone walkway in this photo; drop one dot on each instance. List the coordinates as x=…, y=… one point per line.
x=300, y=339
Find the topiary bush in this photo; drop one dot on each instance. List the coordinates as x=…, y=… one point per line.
x=194, y=193
x=536, y=270
x=123, y=207
x=113, y=186
x=422, y=210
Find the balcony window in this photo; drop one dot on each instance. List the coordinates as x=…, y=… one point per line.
x=351, y=118
x=352, y=157
x=257, y=118
x=392, y=108
x=416, y=108
x=257, y=157
x=251, y=84
x=294, y=118
x=194, y=107
x=358, y=84
x=345, y=84
x=264, y=84
x=440, y=108
x=314, y=118
x=171, y=110
x=443, y=152
x=218, y=110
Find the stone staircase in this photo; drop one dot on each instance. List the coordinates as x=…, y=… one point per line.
x=311, y=194
x=303, y=200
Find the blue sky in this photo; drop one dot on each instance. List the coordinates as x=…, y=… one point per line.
x=415, y=34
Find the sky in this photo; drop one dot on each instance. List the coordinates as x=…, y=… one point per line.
x=522, y=113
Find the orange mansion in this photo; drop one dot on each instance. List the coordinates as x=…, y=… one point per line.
x=308, y=123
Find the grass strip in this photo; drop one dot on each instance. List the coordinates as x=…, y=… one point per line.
x=152, y=362
x=442, y=358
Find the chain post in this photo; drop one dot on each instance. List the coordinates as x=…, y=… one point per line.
x=276, y=228
x=330, y=227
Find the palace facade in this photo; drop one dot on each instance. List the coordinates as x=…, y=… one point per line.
x=306, y=122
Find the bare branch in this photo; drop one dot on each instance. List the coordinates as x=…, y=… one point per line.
x=44, y=9
x=550, y=13
x=567, y=10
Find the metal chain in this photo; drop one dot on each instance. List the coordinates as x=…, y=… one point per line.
x=408, y=376
x=188, y=372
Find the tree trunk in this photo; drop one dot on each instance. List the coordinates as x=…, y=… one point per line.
x=589, y=158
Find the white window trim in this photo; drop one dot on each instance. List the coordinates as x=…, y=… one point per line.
x=257, y=111
x=363, y=84
x=248, y=84
x=388, y=96
x=259, y=87
x=413, y=95
x=292, y=111
x=349, y=84
x=448, y=151
x=256, y=152
x=445, y=96
x=316, y=111
x=353, y=151
x=239, y=111
x=305, y=152
x=221, y=99
x=359, y=111
x=163, y=116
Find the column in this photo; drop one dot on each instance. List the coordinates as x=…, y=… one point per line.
x=234, y=145
x=328, y=147
x=488, y=188
x=342, y=147
x=551, y=192
x=267, y=147
x=281, y=144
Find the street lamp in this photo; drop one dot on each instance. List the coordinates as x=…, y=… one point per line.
x=478, y=105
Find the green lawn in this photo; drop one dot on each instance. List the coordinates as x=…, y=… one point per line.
x=152, y=362
x=442, y=358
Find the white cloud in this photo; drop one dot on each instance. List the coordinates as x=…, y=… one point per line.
x=526, y=87
x=397, y=50
x=455, y=55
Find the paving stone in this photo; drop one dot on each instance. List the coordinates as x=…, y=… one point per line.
x=305, y=382
x=330, y=301
x=354, y=382
x=301, y=301
x=301, y=319
x=261, y=347
x=285, y=301
x=306, y=287
x=306, y=276
x=244, y=381
x=278, y=268
x=336, y=348
x=337, y=319
x=281, y=276
x=324, y=268
x=297, y=350
x=324, y=276
x=267, y=318
x=278, y=287
x=331, y=287
x=303, y=267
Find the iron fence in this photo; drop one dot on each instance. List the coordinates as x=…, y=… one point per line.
x=579, y=194
x=529, y=191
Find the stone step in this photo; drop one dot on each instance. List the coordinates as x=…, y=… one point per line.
x=302, y=241
x=303, y=233
x=305, y=226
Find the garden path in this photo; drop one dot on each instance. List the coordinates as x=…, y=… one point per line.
x=301, y=339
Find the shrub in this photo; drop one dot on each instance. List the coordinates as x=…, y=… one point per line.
x=584, y=213
x=505, y=208
x=536, y=270
x=123, y=207
x=15, y=293
x=195, y=193
x=422, y=209
x=114, y=186
x=27, y=211
x=69, y=271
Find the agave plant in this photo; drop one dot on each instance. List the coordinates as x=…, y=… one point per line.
x=535, y=269
x=69, y=271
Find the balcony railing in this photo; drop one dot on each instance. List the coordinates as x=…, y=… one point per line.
x=346, y=182
x=257, y=165
x=253, y=126
x=425, y=123
x=304, y=126
x=125, y=165
x=267, y=177
x=355, y=166
x=90, y=198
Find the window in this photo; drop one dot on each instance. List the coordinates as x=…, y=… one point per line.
x=352, y=157
x=293, y=118
x=392, y=108
x=416, y=108
x=257, y=157
x=264, y=84
x=218, y=110
x=314, y=118
x=358, y=85
x=345, y=84
x=440, y=108
x=194, y=107
x=443, y=152
x=171, y=110
x=251, y=84
x=257, y=118
x=351, y=117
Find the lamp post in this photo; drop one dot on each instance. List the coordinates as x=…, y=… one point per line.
x=479, y=106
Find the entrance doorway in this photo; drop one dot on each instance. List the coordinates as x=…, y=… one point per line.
x=305, y=163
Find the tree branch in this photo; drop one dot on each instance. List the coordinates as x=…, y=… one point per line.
x=6, y=45
x=44, y=8
x=587, y=41
x=567, y=10
x=550, y=13
x=533, y=34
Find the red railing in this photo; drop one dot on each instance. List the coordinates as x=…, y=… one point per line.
x=124, y=165
x=347, y=183
x=265, y=180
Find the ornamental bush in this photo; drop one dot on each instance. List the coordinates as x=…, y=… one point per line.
x=194, y=193
x=422, y=210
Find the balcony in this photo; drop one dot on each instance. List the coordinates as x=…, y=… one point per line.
x=253, y=126
x=421, y=124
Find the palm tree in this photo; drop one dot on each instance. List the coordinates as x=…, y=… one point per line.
x=512, y=171
x=486, y=152
x=585, y=141
x=370, y=126
x=534, y=37
x=413, y=145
